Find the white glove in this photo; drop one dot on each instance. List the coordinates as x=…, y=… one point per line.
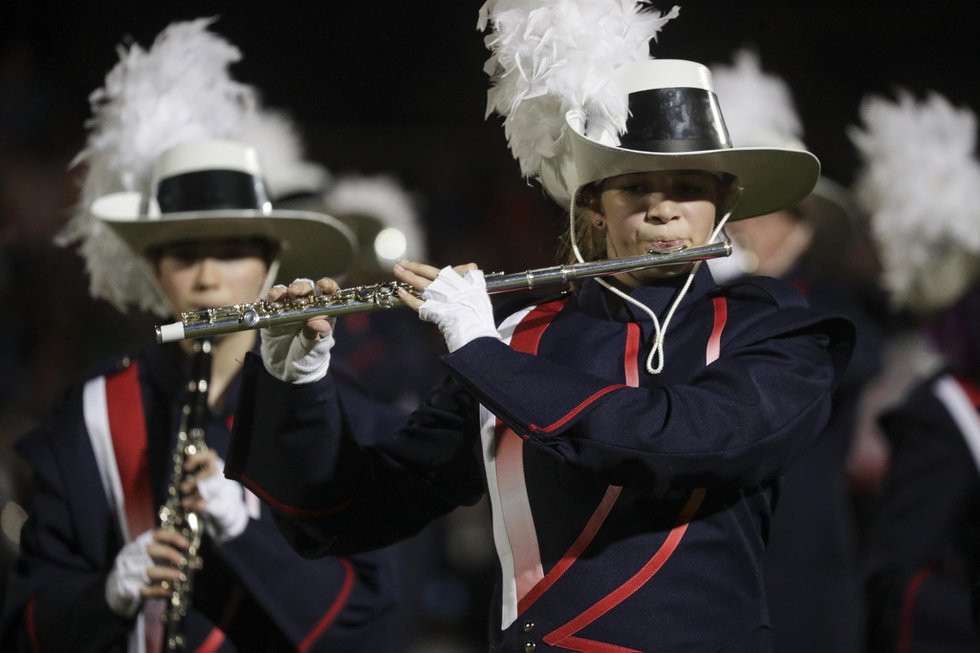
x=226, y=515
x=128, y=575
x=459, y=306
x=292, y=357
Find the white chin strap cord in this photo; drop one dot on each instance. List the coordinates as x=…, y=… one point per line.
x=659, y=331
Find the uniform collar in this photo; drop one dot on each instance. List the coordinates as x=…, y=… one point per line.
x=595, y=300
x=166, y=370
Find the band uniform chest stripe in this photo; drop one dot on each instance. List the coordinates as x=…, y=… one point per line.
x=905, y=621
x=31, y=627
x=334, y=609
x=563, y=636
x=127, y=429
x=956, y=399
x=518, y=520
x=631, y=353
x=720, y=305
x=212, y=643
x=304, y=513
x=598, y=517
x=127, y=425
x=971, y=389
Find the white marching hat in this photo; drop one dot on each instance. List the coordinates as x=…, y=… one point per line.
x=675, y=123
x=215, y=189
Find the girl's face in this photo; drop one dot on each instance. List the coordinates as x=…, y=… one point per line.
x=211, y=273
x=656, y=211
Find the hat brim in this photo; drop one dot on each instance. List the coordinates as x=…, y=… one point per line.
x=771, y=178
x=311, y=244
x=829, y=206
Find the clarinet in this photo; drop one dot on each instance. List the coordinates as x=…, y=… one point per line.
x=173, y=515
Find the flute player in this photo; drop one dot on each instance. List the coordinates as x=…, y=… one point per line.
x=628, y=432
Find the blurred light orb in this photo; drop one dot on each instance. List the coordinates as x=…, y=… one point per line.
x=390, y=244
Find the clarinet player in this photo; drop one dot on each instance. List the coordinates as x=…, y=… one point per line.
x=174, y=217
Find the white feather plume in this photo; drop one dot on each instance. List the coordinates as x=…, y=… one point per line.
x=380, y=197
x=284, y=166
x=178, y=90
x=759, y=110
x=918, y=182
x=548, y=58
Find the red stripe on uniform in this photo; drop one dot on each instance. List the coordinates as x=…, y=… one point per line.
x=31, y=627
x=509, y=466
x=970, y=389
x=904, y=643
x=559, y=636
x=714, y=341
x=124, y=404
x=213, y=642
x=304, y=513
x=598, y=518
x=528, y=333
x=571, y=556
x=334, y=608
x=631, y=353
x=575, y=411
x=589, y=646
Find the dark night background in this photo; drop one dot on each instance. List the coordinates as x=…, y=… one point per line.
x=394, y=87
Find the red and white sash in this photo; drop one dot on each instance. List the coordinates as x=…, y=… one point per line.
x=961, y=399
x=116, y=422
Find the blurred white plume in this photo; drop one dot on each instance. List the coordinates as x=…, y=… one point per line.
x=178, y=90
x=548, y=58
x=758, y=106
x=918, y=182
x=281, y=151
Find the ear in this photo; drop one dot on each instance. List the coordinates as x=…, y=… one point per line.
x=593, y=211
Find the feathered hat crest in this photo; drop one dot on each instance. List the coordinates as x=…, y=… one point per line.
x=155, y=101
x=918, y=181
x=582, y=101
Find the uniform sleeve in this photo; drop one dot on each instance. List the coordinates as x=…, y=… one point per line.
x=922, y=521
x=315, y=604
x=345, y=474
x=739, y=421
x=56, y=593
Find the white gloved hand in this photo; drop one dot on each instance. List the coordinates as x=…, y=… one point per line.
x=459, y=306
x=225, y=513
x=290, y=356
x=128, y=575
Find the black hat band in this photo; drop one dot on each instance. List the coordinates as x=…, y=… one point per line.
x=211, y=190
x=675, y=120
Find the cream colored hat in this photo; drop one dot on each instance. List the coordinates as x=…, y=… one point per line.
x=675, y=123
x=215, y=189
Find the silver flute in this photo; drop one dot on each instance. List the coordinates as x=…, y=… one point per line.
x=263, y=313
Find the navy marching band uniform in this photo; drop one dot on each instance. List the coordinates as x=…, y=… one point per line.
x=924, y=548
x=254, y=593
x=630, y=511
